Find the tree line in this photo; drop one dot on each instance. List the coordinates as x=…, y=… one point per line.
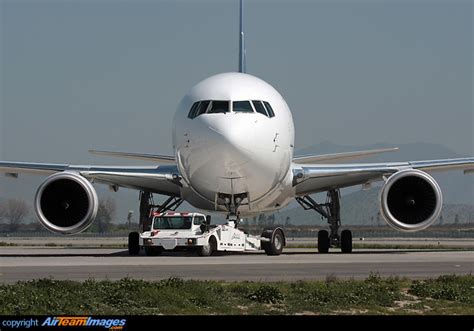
x=15, y=215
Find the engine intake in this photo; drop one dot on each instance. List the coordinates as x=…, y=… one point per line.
x=66, y=203
x=410, y=200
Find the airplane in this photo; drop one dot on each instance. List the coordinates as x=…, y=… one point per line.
x=233, y=141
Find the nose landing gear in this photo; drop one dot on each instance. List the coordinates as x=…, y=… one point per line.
x=331, y=210
x=232, y=203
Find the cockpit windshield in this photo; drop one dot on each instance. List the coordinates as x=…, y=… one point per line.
x=224, y=106
x=203, y=105
x=242, y=107
x=219, y=107
x=260, y=108
x=198, y=108
x=270, y=111
x=173, y=223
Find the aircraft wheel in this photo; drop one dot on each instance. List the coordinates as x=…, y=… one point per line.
x=323, y=241
x=346, y=241
x=133, y=243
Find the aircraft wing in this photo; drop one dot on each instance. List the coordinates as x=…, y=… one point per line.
x=313, y=178
x=162, y=159
x=162, y=179
x=337, y=157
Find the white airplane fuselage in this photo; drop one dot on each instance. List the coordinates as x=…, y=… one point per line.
x=235, y=152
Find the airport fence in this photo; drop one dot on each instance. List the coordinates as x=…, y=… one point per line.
x=41, y=234
x=296, y=233
x=390, y=234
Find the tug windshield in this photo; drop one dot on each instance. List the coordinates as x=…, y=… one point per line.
x=173, y=223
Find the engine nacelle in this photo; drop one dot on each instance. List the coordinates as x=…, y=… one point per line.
x=66, y=203
x=410, y=200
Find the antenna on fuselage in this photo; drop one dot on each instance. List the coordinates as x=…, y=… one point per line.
x=242, y=63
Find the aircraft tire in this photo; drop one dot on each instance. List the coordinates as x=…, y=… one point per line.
x=133, y=243
x=323, y=241
x=346, y=241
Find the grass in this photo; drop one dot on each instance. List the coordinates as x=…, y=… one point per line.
x=5, y=244
x=68, y=245
x=408, y=246
x=449, y=288
x=391, y=246
x=374, y=295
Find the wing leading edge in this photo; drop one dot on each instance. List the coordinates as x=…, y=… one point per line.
x=162, y=179
x=162, y=159
x=337, y=157
x=313, y=178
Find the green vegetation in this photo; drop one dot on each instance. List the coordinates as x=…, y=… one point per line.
x=63, y=245
x=5, y=244
x=374, y=295
x=452, y=288
x=392, y=246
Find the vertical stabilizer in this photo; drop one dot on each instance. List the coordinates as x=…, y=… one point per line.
x=242, y=63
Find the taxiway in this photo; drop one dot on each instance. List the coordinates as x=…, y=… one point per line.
x=26, y=263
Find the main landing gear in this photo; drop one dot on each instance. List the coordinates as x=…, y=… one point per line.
x=331, y=210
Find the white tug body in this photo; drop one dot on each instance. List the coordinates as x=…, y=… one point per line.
x=193, y=231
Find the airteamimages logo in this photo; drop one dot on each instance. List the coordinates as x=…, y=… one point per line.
x=85, y=321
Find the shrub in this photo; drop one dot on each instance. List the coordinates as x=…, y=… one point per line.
x=266, y=294
x=451, y=287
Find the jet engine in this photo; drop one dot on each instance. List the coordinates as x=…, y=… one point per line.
x=410, y=200
x=66, y=203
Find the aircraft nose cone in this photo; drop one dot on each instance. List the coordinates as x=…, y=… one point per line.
x=232, y=137
x=229, y=144
x=232, y=131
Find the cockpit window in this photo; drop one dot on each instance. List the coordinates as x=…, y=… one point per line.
x=259, y=107
x=242, y=107
x=192, y=112
x=269, y=109
x=203, y=105
x=198, y=108
x=219, y=107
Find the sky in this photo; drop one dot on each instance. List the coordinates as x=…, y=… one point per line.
x=101, y=74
